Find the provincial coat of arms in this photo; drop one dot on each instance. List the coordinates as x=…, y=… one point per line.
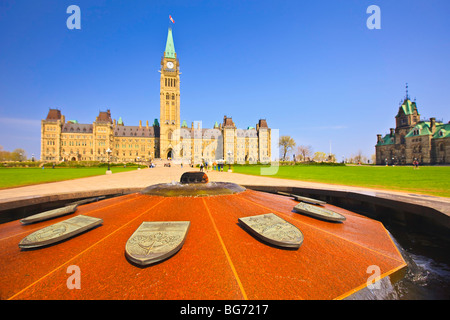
x=59, y=231
x=155, y=241
x=274, y=230
x=319, y=212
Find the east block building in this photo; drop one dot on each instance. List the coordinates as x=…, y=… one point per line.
x=168, y=138
x=413, y=139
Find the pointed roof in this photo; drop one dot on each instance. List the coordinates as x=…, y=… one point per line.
x=386, y=140
x=408, y=107
x=170, y=47
x=53, y=115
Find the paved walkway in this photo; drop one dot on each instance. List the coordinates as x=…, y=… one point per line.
x=142, y=178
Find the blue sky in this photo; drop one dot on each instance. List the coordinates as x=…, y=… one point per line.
x=311, y=68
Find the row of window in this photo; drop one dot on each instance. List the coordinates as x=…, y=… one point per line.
x=65, y=136
x=168, y=96
x=78, y=130
x=170, y=82
x=76, y=143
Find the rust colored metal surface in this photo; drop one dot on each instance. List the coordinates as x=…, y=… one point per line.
x=218, y=260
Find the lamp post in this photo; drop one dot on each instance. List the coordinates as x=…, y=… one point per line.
x=109, y=154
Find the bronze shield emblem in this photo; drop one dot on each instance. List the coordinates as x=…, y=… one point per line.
x=59, y=231
x=274, y=230
x=50, y=214
x=156, y=241
x=318, y=212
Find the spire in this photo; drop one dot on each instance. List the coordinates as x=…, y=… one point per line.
x=170, y=47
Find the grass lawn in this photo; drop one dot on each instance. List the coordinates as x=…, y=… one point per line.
x=425, y=180
x=14, y=177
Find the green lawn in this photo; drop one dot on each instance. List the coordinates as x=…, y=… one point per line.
x=425, y=180
x=14, y=177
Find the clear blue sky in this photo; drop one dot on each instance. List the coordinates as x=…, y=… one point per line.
x=311, y=68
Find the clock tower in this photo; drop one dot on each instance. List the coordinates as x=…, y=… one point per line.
x=169, y=100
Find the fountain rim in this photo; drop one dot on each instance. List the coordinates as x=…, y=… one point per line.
x=178, y=189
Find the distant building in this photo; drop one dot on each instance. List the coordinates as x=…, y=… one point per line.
x=427, y=141
x=168, y=139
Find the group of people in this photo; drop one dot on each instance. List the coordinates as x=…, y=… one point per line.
x=215, y=165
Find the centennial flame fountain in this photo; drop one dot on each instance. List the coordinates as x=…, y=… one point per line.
x=197, y=239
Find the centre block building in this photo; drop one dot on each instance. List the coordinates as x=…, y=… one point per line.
x=169, y=138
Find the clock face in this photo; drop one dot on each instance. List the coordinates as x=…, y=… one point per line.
x=170, y=65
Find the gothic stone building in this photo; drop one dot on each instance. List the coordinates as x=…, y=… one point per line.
x=427, y=141
x=169, y=138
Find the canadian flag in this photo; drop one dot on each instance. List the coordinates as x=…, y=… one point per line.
x=171, y=19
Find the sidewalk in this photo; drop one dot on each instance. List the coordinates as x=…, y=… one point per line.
x=134, y=180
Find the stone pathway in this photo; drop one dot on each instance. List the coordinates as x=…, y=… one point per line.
x=137, y=179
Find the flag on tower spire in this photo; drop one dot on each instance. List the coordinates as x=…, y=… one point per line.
x=171, y=19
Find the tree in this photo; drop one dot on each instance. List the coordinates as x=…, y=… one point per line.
x=320, y=156
x=303, y=153
x=19, y=155
x=287, y=144
x=331, y=157
x=358, y=158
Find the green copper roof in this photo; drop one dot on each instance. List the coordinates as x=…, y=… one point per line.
x=424, y=129
x=156, y=123
x=421, y=129
x=442, y=131
x=386, y=140
x=216, y=125
x=120, y=121
x=408, y=107
x=184, y=124
x=170, y=47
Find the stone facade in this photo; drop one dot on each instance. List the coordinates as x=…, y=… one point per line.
x=413, y=139
x=166, y=139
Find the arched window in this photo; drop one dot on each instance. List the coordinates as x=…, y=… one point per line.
x=169, y=135
x=173, y=96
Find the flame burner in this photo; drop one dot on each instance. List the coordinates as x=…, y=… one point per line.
x=193, y=184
